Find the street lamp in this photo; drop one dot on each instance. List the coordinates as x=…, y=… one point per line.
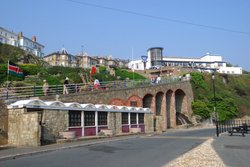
x=215, y=112
x=144, y=60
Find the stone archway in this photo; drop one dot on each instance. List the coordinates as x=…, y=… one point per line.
x=134, y=101
x=169, y=108
x=180, y=107
x=147, y=101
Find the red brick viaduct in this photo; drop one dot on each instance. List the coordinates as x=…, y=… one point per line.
x=166, y=101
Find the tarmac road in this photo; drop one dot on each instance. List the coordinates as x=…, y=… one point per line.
x=143, y=151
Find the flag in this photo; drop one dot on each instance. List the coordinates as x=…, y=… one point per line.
x=93, y=70
x=14, y=69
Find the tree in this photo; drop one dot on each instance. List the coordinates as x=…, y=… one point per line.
x=200, y=108
x=226, y=108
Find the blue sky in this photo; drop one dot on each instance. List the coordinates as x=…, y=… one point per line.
x=113, y=27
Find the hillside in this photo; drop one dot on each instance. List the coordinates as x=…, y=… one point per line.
x=232, y=92
x=17, y=55
x=232, y=95
x=36, y=70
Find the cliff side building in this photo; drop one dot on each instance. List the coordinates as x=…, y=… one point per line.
x=61, y=58
x=206, y=63
x=18, y=40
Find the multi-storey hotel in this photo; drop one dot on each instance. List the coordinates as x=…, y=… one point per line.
x=208, y=62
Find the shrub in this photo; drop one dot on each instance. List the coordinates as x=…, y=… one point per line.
x=198, y=80
x=30, y=69
x=200, y=108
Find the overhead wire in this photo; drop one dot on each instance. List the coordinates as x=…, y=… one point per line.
x=158, y=17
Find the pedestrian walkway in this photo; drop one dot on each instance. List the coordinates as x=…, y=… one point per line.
x=225, y=150
x=233, y=150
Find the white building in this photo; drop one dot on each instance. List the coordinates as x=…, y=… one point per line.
x=136, y=65
x=29, y=45
x=207, y=63
x=8, y=37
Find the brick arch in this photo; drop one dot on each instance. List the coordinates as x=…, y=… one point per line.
x=159, y=103
x=148, y=102
x=170, y=109
x=181, y=106
x=117, y=102
x=136, y=100
x=180, y=97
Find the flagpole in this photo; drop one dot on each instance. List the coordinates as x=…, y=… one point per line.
x=7, y=85
x=133, y=69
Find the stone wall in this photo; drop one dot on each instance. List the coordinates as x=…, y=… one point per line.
x=3, y=124
x=158, y=123
x=115, y=122
x=23, y=128
x=149, y=123
x=53, y=122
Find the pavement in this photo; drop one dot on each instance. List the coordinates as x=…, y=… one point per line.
x=234, y=150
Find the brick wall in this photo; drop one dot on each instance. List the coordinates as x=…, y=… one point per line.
x=126, y=96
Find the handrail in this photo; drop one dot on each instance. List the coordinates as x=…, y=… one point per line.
x=37, y=90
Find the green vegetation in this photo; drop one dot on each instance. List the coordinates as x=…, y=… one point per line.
x=124, y=74
x=232, y=95
x=8, y=52
x=232, y=92
x=36, y=70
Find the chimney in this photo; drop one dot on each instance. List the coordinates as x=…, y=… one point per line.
x=20, y=35
x=34, y=38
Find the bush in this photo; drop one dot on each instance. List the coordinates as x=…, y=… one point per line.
x=30, y=69
x=225, y=106
x=3, y=73
x=198, y=80
x=200, y=108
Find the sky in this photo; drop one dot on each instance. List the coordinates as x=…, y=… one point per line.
x=126, y=29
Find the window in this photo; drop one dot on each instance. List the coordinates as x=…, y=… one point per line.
x=133, y=118
x=124, y=118
x=133, y=103
x=89, y=118
x=74, y=118
x=220, y=64
x=141, y=118
x=102, y=118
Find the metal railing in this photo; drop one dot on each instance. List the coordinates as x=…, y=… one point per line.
x=229, y=124
x=37, y=90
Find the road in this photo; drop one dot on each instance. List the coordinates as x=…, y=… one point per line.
x=144, y=151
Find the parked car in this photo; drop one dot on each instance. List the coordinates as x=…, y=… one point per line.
x=155, y=67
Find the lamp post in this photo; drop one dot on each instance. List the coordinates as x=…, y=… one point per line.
x=144, y=60
x=215, y=112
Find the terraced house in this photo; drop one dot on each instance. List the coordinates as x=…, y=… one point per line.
x=19, y=40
